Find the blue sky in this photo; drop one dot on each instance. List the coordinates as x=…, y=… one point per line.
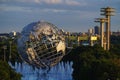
x=70, y=15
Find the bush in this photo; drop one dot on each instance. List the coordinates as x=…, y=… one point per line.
x=93, y=63
x=7, y=73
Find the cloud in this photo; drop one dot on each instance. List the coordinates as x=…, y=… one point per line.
x=53, y=10
x=67, y=2
x=52, y=1
x=41, y=5
x=72, y=2
x=5, y=8
x=14, y=8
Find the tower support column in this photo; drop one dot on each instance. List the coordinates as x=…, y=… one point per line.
x=108, y=12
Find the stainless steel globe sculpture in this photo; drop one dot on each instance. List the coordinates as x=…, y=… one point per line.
x=41, y=44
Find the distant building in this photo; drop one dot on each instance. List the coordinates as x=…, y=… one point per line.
x=13, y=34
x=116, y=33
x=4, y=35
x=93, y=40
x=97, y=30
x=90, y=31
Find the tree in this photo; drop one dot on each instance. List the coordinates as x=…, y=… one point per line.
x=93, y=63
x=7, y=73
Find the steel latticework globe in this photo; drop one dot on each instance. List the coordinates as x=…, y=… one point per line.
x=41, y=44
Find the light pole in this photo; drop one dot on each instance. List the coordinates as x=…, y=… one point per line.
x=10, y=42
x=4, y=47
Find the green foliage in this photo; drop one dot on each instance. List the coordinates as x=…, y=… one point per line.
x=14, y=52
x=93, y=63
x=115, y=39
x=73, y=38
x=115, y=45
x=83, y=38
x=115, y=48
x=7, y=73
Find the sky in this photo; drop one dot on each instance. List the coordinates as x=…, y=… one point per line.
x=69, y=15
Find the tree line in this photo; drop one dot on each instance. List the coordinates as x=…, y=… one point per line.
x=94, y=63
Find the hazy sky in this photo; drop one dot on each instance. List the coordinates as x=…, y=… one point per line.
x=70, y=15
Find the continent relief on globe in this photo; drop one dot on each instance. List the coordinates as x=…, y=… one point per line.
x=41, y=44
